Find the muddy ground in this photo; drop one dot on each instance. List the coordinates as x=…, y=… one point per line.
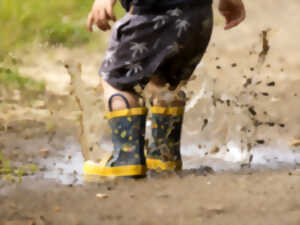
x=246, y=196
x=221, y=188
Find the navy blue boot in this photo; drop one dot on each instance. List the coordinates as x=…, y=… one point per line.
x=128, y=138
x=164, y=151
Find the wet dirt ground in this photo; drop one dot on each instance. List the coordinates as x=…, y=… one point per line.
x=260, y=198
x=58, y=194
x=218, y=185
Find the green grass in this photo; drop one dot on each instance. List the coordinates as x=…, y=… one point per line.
x=52, y=21
x=30, y=22
x=13, y=80
x=11, y=173
x=13, y=84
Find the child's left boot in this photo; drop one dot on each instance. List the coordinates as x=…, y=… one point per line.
x=128, y=137
x=164, y=151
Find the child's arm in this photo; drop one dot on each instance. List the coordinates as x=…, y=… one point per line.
x=101, y=13
x=233, y=11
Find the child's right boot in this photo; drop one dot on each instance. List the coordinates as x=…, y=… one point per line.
x=128, y=137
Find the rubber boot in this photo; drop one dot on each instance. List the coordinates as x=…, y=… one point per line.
x=128, y=138
x=164, y=151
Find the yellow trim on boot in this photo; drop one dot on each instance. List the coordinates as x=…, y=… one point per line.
x=172, y=111
x=126, y=112
x=91, y=168
x=159, y=165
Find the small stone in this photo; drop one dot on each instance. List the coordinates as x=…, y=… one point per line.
x=101, y=196
x=252, y=111
x=295, y=143
x=248, y=82
x=257, y=123
x=215, y=150
x=251, y=158
x=205, y=122
x=271, y=84
x=271, y=124
x=260, y=142
x=228, y=102
x=44, y=152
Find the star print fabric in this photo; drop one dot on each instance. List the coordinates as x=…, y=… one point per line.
x=168, y=44
x=128, y=138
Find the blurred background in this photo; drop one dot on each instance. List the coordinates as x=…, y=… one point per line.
x=30, y=28
x=38, y=22
x=240, y=110
x=36, y=40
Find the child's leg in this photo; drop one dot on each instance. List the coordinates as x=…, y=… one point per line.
x=126, y=119
x=118, y=103
x=163, y=96
x=167, y=116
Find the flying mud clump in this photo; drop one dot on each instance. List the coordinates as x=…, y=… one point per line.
x=241, y=102
x=91, y=118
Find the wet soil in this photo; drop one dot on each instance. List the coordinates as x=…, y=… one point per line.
x=262, y=198
x=200, y=195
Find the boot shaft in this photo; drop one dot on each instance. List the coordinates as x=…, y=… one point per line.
x=166, y=133
x=128, y=136
x=128, y=139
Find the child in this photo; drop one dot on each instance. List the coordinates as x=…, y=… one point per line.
x=157, y=43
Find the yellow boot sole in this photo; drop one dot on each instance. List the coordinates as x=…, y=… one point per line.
x=98, y=169
x=159, y=165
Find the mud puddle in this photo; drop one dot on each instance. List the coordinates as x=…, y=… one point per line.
x=65, y=167
x=58, y=194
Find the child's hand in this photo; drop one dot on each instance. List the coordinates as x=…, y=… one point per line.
x=101, y=13
x=233, y=11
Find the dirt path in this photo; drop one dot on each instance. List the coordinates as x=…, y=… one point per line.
x=245, y=198
x=196, y=196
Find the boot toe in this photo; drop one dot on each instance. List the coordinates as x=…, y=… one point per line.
x=159, y=165
x=91, y=168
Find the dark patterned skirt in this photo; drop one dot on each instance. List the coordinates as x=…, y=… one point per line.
x=169, y=44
